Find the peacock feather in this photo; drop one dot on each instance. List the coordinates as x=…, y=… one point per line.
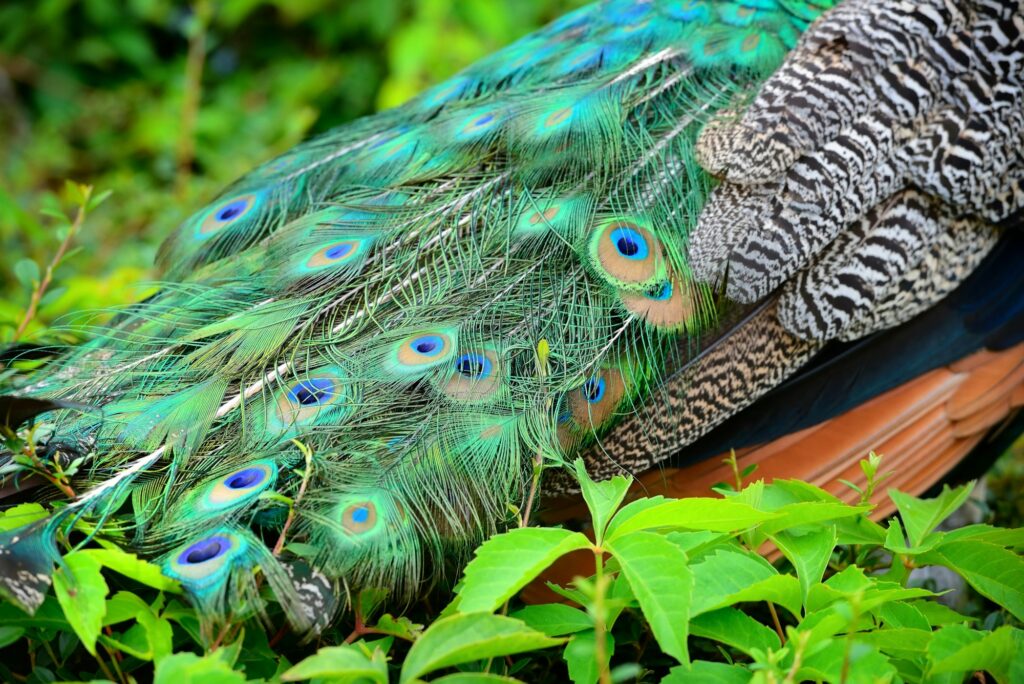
x=429, y=300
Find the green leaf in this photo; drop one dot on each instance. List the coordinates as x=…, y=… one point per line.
x=98, y=199
x=897, y=543
x=580, y=656
x=123, y=606
x=49, y=615
x=715, y=515
x=726, y=577
x=188, y=668
x=809, y=553
x=902, y=614
x=9, y=634
x=695, y=542
x=603, y=498
x=401, y=627
x=464, y=638
x=939, y=614
x=81, y=591
x=27, y=273
x=959, y=649
x=21, y=515
x=554, y=619
x=1011, y=538
x=921, y=516
x=705, y=672
x=474, y=678
x=130, y=565
x=805, y=513
x=662, y=583
x=862, y=662
x=505, y=563
x=735, y=628
x=52, y=295
x=993, y=571
x=902, y=642
x=341, y=664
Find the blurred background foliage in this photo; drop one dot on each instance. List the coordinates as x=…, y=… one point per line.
x=164, y=102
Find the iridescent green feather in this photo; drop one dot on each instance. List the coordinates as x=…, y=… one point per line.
x=380, y=293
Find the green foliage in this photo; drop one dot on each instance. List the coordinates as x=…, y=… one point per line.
x=678, y=592
x=102, y=92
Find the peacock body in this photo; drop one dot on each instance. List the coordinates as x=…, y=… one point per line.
x=391, y=324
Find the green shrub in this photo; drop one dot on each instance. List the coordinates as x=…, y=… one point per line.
x=679, y=593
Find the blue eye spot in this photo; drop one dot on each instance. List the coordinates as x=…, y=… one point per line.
x=661, y=292
x=360, y=514
x=312, y=392
x=244, y=479
x=428, y=345
x=484, y=120
x=232, y=210
x=474, y=366
x=593, y=390
x=205, y=550
x=339, y=251
x=629, y=243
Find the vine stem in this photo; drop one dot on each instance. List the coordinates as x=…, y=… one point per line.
x=776, y=621
x=279, y=546
x=600, y=630
x=40, y=290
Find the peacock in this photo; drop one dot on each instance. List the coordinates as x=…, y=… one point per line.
x=613, y=239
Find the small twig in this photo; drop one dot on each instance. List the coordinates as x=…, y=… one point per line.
x=600, y=629
x=538, y=463
x=776, y=621
x=40, y=290
x=222, y=635
x=798, y=657
x=298, y=497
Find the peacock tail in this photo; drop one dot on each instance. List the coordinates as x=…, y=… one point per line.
x=390, y=324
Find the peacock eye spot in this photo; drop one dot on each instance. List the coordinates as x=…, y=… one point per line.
x=593, y=390
x=244, y=479
x=312, y=392
x=627, y=246
x=474, y=366
x=232, y=210
x=338, y=251
x=360, y=514
x=203, y=551
x=428, y=345
x=484, y=120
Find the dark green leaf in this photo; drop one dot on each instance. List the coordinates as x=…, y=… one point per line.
x=81, y=590
x=657, y=573
x=735, y=628
x=704, y=672
x=921, y=516
x=554, y=619
x=341, y=664
x=188, y=668
x=464, y=638
x=580, y=656
x=716, y=515
x=992, y=570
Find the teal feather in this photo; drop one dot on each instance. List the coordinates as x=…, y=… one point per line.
x=381, y=292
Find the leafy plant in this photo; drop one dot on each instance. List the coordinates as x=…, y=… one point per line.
x=669, y=590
